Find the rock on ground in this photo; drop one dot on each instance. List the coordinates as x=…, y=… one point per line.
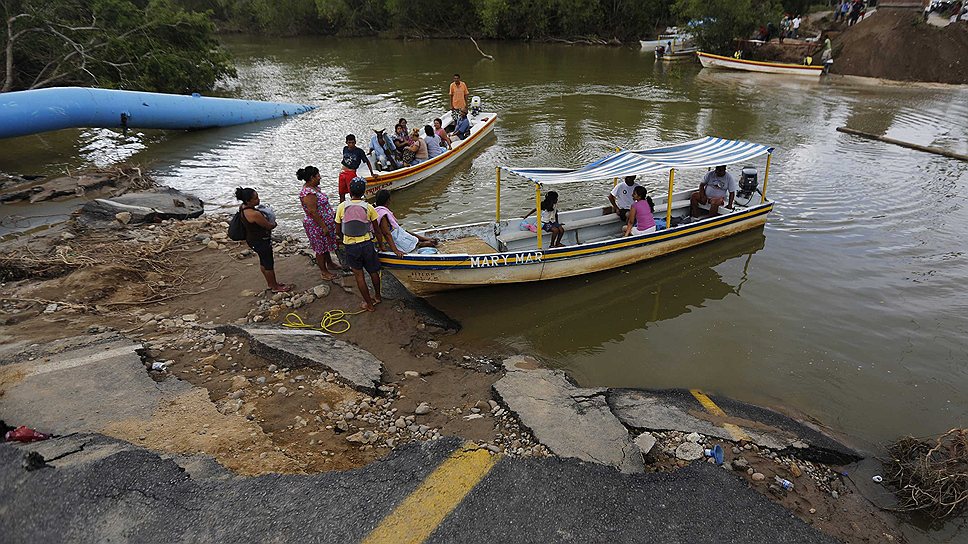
x=144, y=207
x=569, y=420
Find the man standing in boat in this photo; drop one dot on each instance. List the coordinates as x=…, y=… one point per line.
x=353, y=157
x=713, y=190
x=621, y=197
x=458, y=95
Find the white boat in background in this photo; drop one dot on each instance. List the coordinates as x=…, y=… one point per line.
x=482, y=123
x=717, y=61
x=674, y=40
x=503, y=252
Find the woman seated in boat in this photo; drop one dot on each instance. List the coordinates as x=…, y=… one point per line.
x=441, y=133
x=549, y=218
x=641, y=220
x=433, y=143
x=399, y=240
x=400, y=140
x=418, y=147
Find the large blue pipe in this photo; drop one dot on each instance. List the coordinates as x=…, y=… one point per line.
x=42, y=110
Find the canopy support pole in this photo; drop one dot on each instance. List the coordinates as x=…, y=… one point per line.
x=537, y=209
x=615, y=180
x=766, y=177
x=497, y=204
x=672, y=179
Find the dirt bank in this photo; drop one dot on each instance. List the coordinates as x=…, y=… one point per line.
x=899, y=45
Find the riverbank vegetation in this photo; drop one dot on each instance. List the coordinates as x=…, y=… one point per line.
x=151, y=45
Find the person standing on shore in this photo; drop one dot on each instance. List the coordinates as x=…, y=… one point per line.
x=355, y=224
x=796, y=26
x=320, y=222
x=258, y=236
x=353, y=157
x=458, y=94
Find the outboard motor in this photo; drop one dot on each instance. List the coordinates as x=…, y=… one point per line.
x=475, y=106
x=748, y=182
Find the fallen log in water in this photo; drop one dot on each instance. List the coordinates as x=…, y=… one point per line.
x=926, y=149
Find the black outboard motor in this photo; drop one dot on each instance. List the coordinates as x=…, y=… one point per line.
x=748, y=182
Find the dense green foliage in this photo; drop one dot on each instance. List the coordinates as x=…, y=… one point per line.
x=152, y=45
x=626, y=20
x=724, y=20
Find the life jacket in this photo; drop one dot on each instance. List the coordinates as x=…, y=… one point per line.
x=355, y=219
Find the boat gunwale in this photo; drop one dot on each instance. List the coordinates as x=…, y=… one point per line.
x=761, y=63
x=403, y=173
x=453, y=261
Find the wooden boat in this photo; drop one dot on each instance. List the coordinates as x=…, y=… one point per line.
x=481, y=125
x=684, y=55
x=499, y=252
x=716, y=61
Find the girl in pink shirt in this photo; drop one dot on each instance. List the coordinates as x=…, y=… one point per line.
x=640, y=220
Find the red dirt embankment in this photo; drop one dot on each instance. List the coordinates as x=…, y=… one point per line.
x=899, y=45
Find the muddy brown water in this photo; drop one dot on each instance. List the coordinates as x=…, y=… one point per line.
x=849, y=307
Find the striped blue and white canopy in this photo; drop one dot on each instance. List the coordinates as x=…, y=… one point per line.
x=702, y=153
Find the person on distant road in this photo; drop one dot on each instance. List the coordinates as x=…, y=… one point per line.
x=713, y=190
x=795, y=24
x=458, y=94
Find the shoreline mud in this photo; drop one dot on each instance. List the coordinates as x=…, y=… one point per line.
x=191, y=303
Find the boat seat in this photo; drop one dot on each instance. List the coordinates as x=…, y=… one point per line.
x=571, y=228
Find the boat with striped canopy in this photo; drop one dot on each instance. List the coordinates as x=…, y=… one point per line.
x=709, y=60
x=500, y=252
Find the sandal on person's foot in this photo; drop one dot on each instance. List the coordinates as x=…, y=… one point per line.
x=367, y=307
x=283, y=288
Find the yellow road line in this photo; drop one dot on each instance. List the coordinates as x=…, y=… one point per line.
x=422, y=511
x=735, y=431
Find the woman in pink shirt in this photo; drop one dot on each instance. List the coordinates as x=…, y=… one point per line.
x=640, y=220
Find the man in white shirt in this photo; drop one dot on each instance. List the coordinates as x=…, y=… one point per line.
x=621, y=197
x=796, y=26
x=713, y=190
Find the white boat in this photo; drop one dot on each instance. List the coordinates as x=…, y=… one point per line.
x=684, y=55
x=716, y=61
x=500, y=252
x=673, y=40
x=481, y=124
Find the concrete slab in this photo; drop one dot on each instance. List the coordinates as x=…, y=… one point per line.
x=570, y=421
x=299, y=347
x=81, y=389
x=678, y=410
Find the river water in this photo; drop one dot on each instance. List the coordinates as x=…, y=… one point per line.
x=849, y=307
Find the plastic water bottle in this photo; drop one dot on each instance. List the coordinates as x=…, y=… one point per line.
x=785, y=484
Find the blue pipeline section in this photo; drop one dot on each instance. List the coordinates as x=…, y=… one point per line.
x=42, y=110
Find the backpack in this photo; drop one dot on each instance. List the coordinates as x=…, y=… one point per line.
x=236, y=227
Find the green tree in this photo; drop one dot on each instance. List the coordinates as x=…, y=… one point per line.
x=155, y=46
x=724, y=20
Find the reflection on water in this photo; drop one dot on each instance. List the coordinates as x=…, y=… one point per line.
x=849, y=307
x=590, y=311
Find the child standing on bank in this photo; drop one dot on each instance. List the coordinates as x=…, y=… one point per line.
x=355, y=225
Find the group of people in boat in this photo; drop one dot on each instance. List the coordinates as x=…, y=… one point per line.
x=633, y=205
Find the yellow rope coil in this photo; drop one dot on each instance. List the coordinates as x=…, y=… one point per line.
x=331, y=319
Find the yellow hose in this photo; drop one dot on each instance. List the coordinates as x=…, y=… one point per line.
x=330, y=320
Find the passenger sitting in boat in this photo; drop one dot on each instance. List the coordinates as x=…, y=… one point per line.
x=713, y=190
x=463, y=127
x=433, y=145
x=399, y=240
x=641, y=220
x=549, y=218
x=442, y=136
x=621, y=197
x=418, y=147
x=383, y=150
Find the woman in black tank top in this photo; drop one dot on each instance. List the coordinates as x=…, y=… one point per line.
x=258, y=236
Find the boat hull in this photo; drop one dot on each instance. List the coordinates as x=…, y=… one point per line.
x=42, y=110
x=428, y=274
x=717, y=61
x=406, y=177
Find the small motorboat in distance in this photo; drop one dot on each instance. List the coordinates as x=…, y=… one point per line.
x=482, y=123
x=717, y=61
x=505, y=251
x=675, y=55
